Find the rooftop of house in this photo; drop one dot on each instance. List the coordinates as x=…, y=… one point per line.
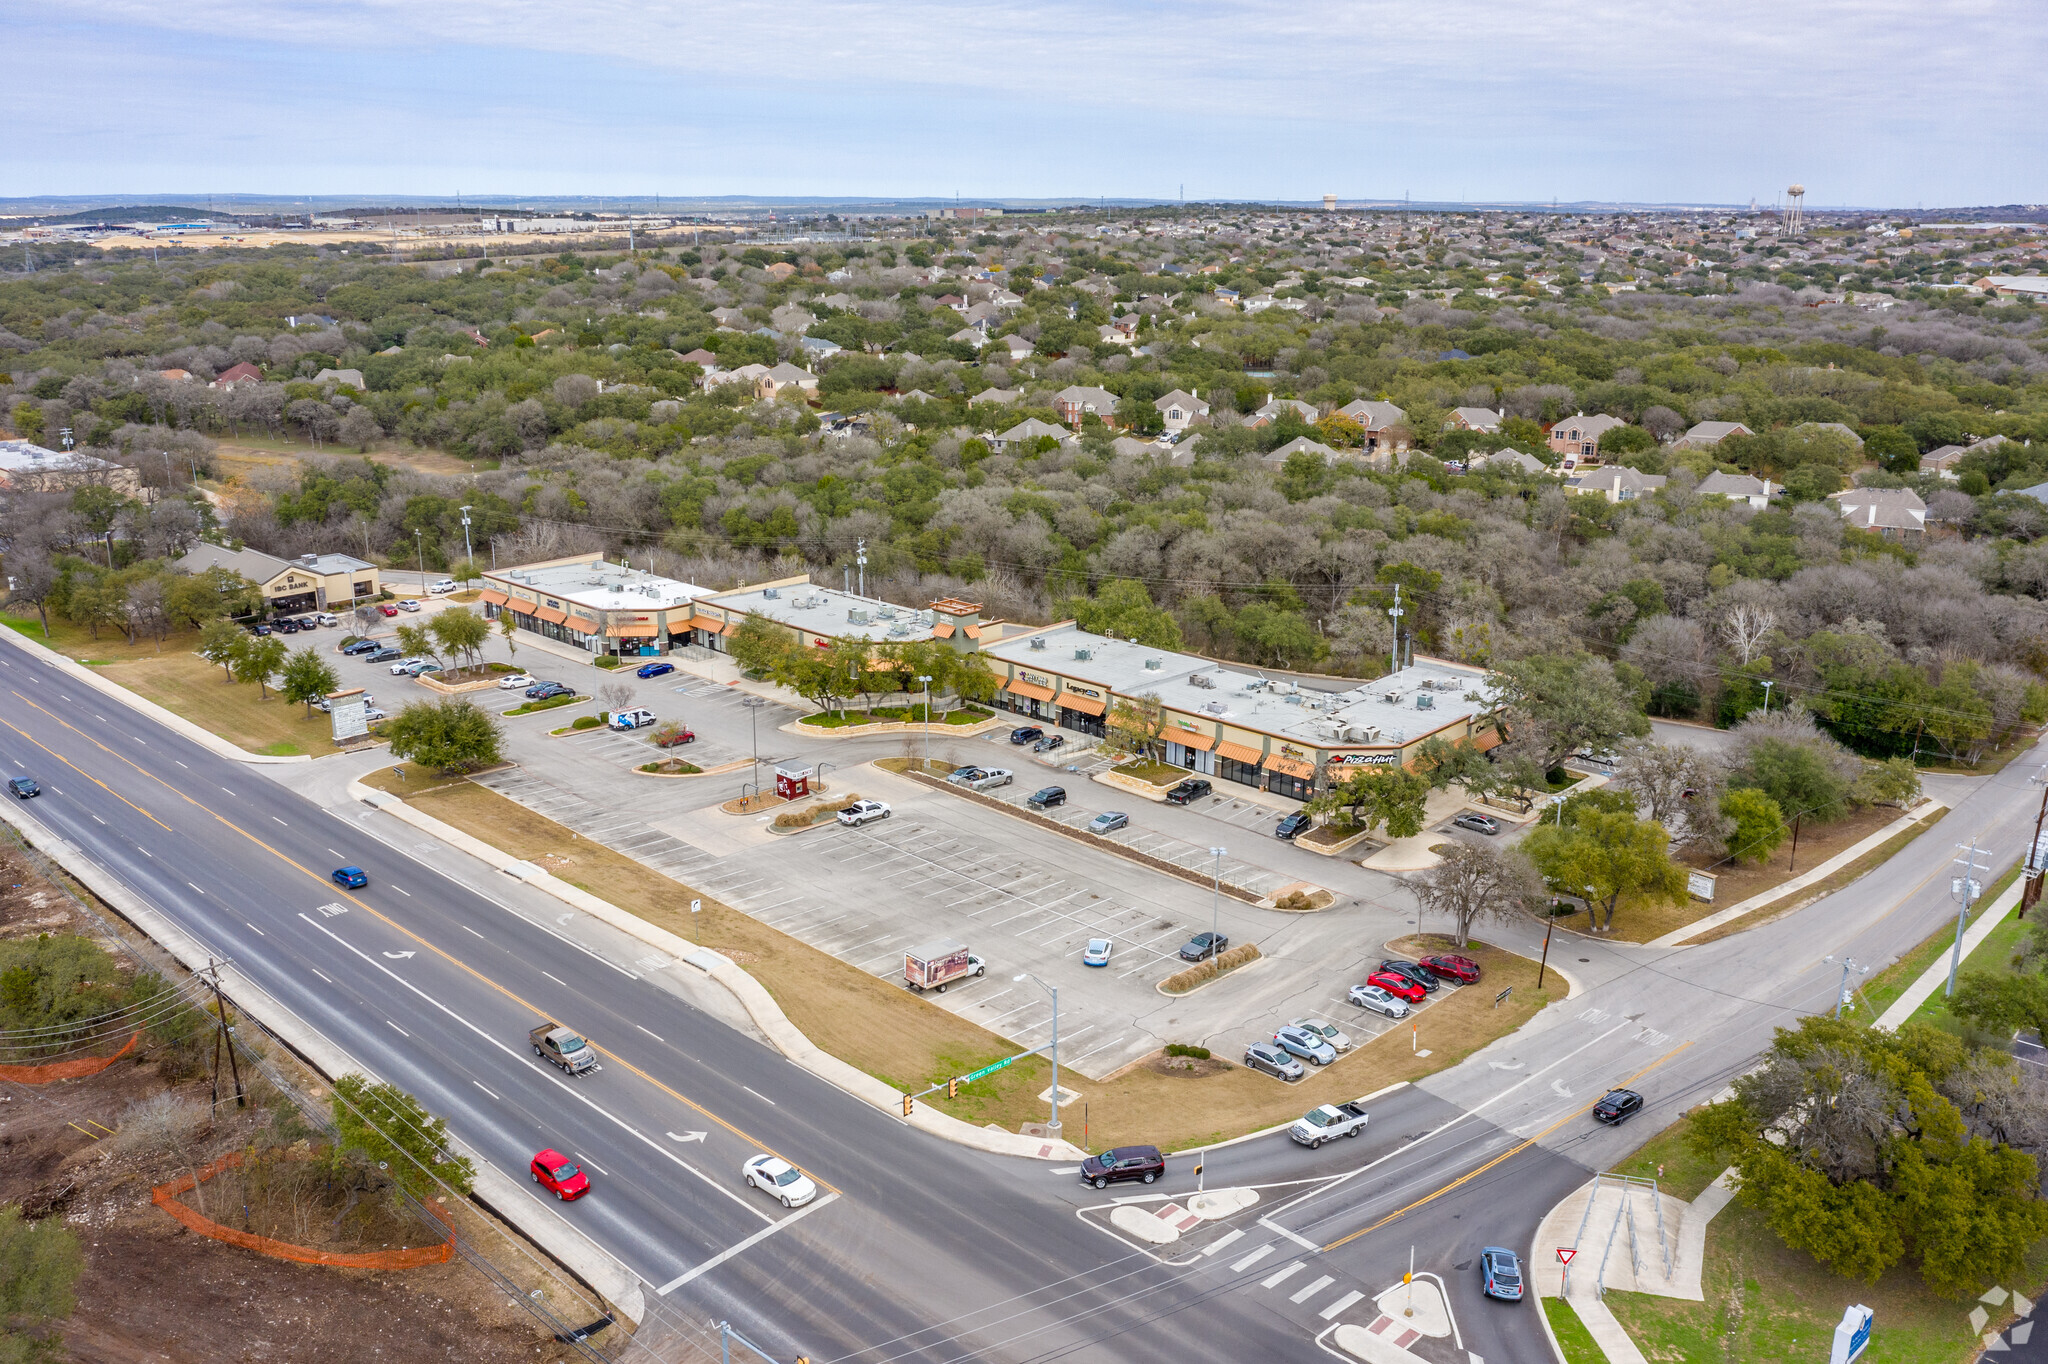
x=601, y=584
x=828, y=611
x=1311, y=711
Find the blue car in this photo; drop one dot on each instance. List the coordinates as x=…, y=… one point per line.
x=1500, y=1274
x=654, y=670
x=351, y=878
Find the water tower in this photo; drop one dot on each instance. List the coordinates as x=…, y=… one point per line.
x=1329, y=203
x=1795, y=208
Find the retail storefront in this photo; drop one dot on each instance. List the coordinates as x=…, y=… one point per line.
x=1292, y=777
x=1029, y=694
x=1084, y=709
x=1238, y=763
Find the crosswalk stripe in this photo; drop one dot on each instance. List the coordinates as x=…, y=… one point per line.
x=1281, y=1274
x=1309, y=1292
x=1220, y=1242
x=1248, y=1261
x=1338, y=1306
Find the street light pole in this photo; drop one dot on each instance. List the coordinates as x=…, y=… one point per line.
x=419, y=538
x=1964, y=888
x=753, y=705
x=926, y=679
x=468, y=552
x=1215, y=898
x=1052, y=1129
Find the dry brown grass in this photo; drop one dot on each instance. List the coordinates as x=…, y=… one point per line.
x=909, y=1043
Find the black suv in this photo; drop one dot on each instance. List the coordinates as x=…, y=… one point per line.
x=1027, y=734
x=1411, y=971
x=1047, y=796
x=1300, y=822
x=1187, y=792
x=1617, y=1107
x=1122, y=1163
x=548, y=691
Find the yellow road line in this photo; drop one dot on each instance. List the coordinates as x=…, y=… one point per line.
x=327, y=884
x=1512, y=1151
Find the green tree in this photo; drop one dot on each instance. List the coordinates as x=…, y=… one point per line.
x=417, y=640
x=1759, y=824
x=450, y=735
x=307, y=677
x=192, y=599
x=815, y=674
x=1798, y=776
x=1561, y=704
x=2001, y=1003
x=1895, y=781
x=1625, y=440
x=39, y=1264
x=1386, y=796
x=261, y=657
x=1606, y=858
x=1137, y=722
x=461, y=631
x=508, y=631
x=28, y=420
x=1890, y=446
x=390, y=1128
x=221, y=642
x=1123, y=609
x=758, y=645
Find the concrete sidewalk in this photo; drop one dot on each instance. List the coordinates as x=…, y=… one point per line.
x=1935, y=977
x=1679, y=936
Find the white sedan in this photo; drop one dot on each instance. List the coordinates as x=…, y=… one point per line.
x=516, y=682
x=777, y=1176
x=408, y=605
x=1378, y=1000
x=405, y=665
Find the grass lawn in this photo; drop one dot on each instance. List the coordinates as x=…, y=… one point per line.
x=1881, y=989
x=1572, y=1336
x=1830, y=883
x=1145, y=770
x=911, y=715
x=1992, y=957
x=908, y=1042
x=182, y=682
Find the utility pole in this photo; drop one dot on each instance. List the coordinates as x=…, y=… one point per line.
x=468, y=552
x=1842, y=992
x=1965, y=888
x=860, y=556
x=1768, y=681
x=221, y=1037
x=926, y=679
x=1215, y=899
x=1396, y=612
x=2031, y=891
x=419, y=538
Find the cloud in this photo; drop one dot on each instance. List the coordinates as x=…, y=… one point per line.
x=1872, y=101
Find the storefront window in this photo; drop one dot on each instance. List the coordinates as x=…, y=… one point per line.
x=1230, y=769
x=1294, y=788
x=1084, y=722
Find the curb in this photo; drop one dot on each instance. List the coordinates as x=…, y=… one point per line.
x=559, y=1240
x=752, y=995
x=979, y=727
x=170, y=720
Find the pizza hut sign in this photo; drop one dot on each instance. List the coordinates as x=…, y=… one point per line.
x=1364, y=759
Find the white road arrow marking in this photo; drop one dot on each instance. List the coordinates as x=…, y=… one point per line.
x=1562, y=1092
x=398, y=956
x=686, y=1136
x=1506, y=1065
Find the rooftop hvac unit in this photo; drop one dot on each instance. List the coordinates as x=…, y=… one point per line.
x=1215, y=707
x=1202, y=680
x=618, y=587
x=1425, y=701
x=1292, y=699
x=1084, y=653
x=1153, y=665
x=856, y=615
x=1038, y=642
x=886, y=612
x=771, y=593
x=1392, y=698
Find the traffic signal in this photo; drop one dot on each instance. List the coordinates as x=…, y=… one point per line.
x=906, y=1105
x=953, y=1088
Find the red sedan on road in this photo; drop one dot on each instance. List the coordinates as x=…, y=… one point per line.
x=1397, y=985
x=559, y=1175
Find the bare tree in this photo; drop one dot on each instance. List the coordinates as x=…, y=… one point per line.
x=614, y=696
x=1678, y=785
x=1744, y=628
x=1475, y=882
x=146, y=610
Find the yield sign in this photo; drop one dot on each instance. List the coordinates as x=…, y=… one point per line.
x=1565, y=1253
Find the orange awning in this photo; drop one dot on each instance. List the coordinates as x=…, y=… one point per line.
x=632, y=630
x=550, y=615
x=1188, y=738
x=943, y=630
x=1087, y=705
x=1486, y=739
x=1239, y=753
x=1293, y=767
x=711, y=623
x=493, y=597
x=731, y=627
x=1031, y=690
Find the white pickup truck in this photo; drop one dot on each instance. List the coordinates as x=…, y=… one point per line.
x=1328, y=1123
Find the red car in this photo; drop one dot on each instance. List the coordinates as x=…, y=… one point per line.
x=559, y=1175
x=686, y=737
x=388, y=610
x=1464, y=970
x=1397, y=985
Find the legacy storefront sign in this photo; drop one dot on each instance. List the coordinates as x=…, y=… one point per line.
x=1364, y=759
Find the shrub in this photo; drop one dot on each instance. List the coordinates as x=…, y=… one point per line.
x=160, y=1124
x=1180, y=982
x=1178, y=1049
x=586, y=722
x=608, y=661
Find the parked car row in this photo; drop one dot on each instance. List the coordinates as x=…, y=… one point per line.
x=292, y=625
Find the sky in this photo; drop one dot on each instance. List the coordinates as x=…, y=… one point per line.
x=1869, y=103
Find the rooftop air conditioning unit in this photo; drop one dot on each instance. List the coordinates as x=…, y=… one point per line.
x=856, y=615
x=1392, y=698
x=1202, y=680
x=1215, y=707
x=1084, y=653
x=771, y=593
x=886, y=612
x=1153, y=665
x=1037, y=642
x=1425, y=701
x=618, y=587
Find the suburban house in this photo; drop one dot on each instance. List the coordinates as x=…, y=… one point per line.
x=1942, y=461
x=2033, y=287
x=1077, y=401
x=1755, y=491
x=1277, y=459
x=1380, y=420
x=1238, y=725
x=750, y=375
x=728, y=317
x=784, y=377
x=1178, y=410
x=1005, y=396
x=1272, y=411
x=779, y=270
x=1615, y=482
x=819, y=347
x=175, y=376
x=228, y=379
x=1475, y=419
x=1706, y=435
x=342, y=378
x=1027, y=431
x=1577, y=437
x=593, y=604
x=1510, y=459
x=1018, y=347
x=702, y=359
x=1838, y=428
x=29, y=467
x=1894, y=513
x=311, y=582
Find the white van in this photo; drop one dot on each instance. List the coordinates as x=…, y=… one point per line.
x=631, y=719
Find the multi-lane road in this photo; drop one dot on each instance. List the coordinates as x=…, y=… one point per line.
x=918, y=1249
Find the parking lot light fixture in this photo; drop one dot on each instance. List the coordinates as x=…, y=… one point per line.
x=753, y=705
x=926, y=679
x=1052, y=1129
x=1216, y=896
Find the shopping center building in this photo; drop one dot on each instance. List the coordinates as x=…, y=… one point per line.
x=594, y=604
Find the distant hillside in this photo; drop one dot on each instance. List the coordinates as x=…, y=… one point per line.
x=130, y=213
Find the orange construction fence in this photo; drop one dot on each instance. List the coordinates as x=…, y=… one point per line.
x=165, y=1196
x=66, y=1070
